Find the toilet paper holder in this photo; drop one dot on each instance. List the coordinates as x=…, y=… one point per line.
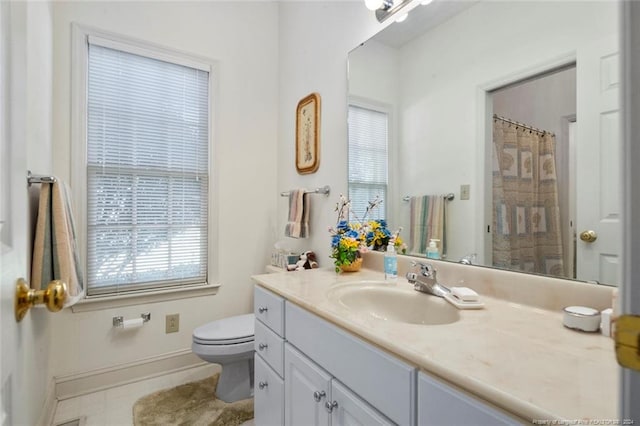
x=118, y=321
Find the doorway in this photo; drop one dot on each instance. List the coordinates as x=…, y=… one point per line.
x=534, y=231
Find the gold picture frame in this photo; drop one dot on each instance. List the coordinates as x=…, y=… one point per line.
x=308, y=134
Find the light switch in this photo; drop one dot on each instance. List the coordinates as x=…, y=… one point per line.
x=465, y=192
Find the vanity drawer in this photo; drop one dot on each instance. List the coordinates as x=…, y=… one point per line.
x=379, y=378
x=269, y=308
x=270, y=347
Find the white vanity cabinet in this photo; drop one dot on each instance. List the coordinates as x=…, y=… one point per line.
x=369, y=385
x=269, y=360
x=311, y=372
x=440, y=404
x=314, y=398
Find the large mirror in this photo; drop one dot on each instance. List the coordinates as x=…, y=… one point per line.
x=512, y=108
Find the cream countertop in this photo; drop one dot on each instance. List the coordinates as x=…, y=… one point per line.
x=517, y=357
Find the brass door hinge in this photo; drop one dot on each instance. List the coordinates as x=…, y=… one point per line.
x=627, y=337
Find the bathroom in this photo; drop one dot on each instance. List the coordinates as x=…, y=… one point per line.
x=268, y=56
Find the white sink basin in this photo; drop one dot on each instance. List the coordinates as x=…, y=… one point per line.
x=389, y=302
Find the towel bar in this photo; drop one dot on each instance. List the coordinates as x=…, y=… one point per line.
x=31, y=178
x=450, y=196
x=53, y=297
x=325, y=190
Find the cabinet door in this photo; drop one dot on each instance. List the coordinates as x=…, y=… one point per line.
x=268, y=395
x=441, y=404
x=348, y=409
x=307, y=389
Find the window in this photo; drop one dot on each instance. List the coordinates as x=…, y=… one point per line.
x=368, y=159
x=147, y=168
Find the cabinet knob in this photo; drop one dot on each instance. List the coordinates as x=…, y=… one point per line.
x=262, y=309
x=318, y=395
x=263, y=385
x=330, y=405
x=262, y=346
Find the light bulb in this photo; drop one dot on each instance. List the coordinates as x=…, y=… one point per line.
x=373, y=4
x=402, y=18
x=425, y=2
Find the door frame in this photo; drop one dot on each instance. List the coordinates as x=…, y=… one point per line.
x=629, y=301
x=484, y=136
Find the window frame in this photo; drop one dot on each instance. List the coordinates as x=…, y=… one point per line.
x=390, y=212
x=79, y=114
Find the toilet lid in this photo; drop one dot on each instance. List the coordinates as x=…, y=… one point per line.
x=226, y=331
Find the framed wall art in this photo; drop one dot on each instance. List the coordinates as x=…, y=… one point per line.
x=308, y=134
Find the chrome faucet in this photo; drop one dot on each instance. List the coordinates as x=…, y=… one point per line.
x=425, y=280
x=468, y=259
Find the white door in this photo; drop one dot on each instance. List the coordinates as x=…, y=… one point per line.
x=307, y=389
x=347, y=409
x=13, y=217
x=598, y=148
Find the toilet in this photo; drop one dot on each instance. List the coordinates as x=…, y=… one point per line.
x=229, y=342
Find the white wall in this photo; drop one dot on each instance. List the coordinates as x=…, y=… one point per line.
x=315, y=38
x=444, y=72
x=243, y=38
x=25, y=64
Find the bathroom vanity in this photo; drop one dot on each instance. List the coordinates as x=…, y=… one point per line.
x=324, y=359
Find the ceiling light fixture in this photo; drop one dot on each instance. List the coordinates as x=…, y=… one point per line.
x=373, y=4
x=385, y=8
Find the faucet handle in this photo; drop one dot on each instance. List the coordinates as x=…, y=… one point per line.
x=469, y=259
x=426, y=269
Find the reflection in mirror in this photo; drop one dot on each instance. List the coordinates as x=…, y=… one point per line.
x=513, y=107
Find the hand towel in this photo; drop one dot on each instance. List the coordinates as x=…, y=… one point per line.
x=427, y=221
x=298, y=224
x=55, y=253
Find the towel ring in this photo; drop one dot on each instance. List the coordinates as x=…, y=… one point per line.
x=53, y=297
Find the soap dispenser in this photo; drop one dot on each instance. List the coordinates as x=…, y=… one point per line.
x=432, y=250
x=391, y=262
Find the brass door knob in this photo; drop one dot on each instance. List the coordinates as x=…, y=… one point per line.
x=588, y=236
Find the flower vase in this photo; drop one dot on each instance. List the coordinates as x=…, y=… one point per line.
x=353, y=266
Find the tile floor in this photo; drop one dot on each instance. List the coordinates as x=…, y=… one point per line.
x=113, y=407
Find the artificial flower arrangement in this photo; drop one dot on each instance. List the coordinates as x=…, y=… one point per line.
x=350, y=239
x=379, y=236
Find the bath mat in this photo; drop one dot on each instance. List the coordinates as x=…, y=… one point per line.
x=191, y=404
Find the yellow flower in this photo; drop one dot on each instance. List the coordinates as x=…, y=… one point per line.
x=349, y=243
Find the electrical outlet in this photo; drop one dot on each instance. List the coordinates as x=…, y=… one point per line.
x=465, y=192
x=172, y=323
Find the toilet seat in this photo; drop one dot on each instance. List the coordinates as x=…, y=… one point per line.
x=227, y=331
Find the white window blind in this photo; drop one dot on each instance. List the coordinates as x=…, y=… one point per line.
x=147, y=172
x=368, y=159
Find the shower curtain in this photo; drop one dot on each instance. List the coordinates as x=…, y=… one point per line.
x=526, y=216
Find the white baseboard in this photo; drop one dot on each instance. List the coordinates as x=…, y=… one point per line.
x=77, y=384
x=49, y=407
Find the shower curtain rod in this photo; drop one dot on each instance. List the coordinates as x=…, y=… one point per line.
x=524, y=126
